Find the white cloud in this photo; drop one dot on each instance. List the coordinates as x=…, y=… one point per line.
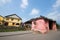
x=24, y=4
x=2, y=2
x=55, y=14
x=56, y=4
x=34, y=11
x=52, y=13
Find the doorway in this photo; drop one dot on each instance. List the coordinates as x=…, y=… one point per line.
x=50, y=25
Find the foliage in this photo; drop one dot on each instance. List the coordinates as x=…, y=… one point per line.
x=58, y=26
x=10, y=28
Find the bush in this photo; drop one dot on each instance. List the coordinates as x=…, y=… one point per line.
x=58, y=26
x=10, y=28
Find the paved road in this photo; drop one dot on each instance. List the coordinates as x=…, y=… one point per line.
x=3, y=34
x=52, y=35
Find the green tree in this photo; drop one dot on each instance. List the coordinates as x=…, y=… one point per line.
x=58, y=26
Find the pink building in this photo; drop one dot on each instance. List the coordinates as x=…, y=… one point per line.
x=43, y=25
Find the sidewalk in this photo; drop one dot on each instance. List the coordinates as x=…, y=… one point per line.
x=3, y=34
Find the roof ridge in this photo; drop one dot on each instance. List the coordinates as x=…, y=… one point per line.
x=12, y=15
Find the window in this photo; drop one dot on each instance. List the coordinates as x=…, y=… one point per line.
x=0, y=23
x=6, y=23
x=18, y=20
x=13, y=23
x=17, y=23
x=12, y=19
x=34, y=23
x=7, y=19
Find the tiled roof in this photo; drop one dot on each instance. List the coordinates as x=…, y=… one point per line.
x=41, y=17
x=13, y=16
x=1, y=16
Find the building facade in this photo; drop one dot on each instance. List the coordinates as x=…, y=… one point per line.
x=1, y=19
x=12, y=20
x=43, y=24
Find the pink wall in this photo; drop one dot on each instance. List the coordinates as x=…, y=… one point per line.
x=47, y=25
x=40, y=26
x=32, y=26
x=54, y=27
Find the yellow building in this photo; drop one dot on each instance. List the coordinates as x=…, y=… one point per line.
x=12, y=20
x=1, y=19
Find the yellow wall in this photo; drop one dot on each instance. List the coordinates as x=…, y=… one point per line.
x=14, y=20
x=1, y=18
x=1, y=22
x=10, y=21
x=9, y=24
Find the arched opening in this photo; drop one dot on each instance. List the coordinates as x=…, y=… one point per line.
x=6, y=23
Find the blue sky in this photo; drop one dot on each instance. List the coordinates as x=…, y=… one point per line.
x=28, y=9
